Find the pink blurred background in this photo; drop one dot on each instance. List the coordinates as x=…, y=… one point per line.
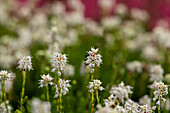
x=158, y=9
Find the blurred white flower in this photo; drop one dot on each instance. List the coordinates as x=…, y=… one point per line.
x=134, y=66
x=111, y=22
x=150, y=53
x=76, y=5
x=38, y=106
x=121, y=9
x=106, y=5
x=167, y=77
x=69, y=70
x=3, y=108
x=156, y=73
x=25, y=63
x=139, y=14
x=145, y=100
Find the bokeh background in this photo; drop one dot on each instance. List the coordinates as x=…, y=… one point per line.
x=120, y=35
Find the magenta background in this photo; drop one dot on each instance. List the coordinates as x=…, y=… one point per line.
x=157, y=8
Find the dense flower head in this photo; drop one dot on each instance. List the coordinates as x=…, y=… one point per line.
x=146, y=109
x=160, y=91
x=156, y=73
x=59, y=61
x=6, y=75
x=110, y=101
x=46, y=80
x=121, y=92
x=62, y=88
x=25, y=63
x=132, y=106
x=93, y=59
x=95, y=85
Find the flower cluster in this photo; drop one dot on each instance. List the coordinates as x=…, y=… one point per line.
x=25, y=63
x=6, y=75
x=121, y=92
x=62, y=88
x=95, y=85
x=132, y=106
x=110, y=101
x=145, y=109
x=160, y=91
x=59, y=61
x=93, y=59
x=156, y=73
x=46, y=80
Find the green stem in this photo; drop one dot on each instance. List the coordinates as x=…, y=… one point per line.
x=23, y=89
x=4, y=94
x=48, y=99
x=159, y=108
x=92, y=104
x=91, y=77
x=60, y=101
x=97, y=96
x=59, y=105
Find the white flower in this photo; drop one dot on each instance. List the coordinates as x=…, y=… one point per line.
x=95, y=85
x=160, y=91
x=156, y=73
x=145, y=100
x=69, y=70
x=6, y=75
x=121, y=92
x=132, y=107
x=106, y=5
x=121, y=109
x=3, y=108
x=139, y=14
x=46, y=80
x=134, y=66
x=145, y=109
x=111, y=22
x=121, y=9
x=105, y=109
x=167, y=77
x=93, y=59
x=62, y=88
x=59, y=61
x=25, y=63
x=38, y=106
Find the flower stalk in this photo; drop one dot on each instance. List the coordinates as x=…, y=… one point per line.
x=23, y=90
